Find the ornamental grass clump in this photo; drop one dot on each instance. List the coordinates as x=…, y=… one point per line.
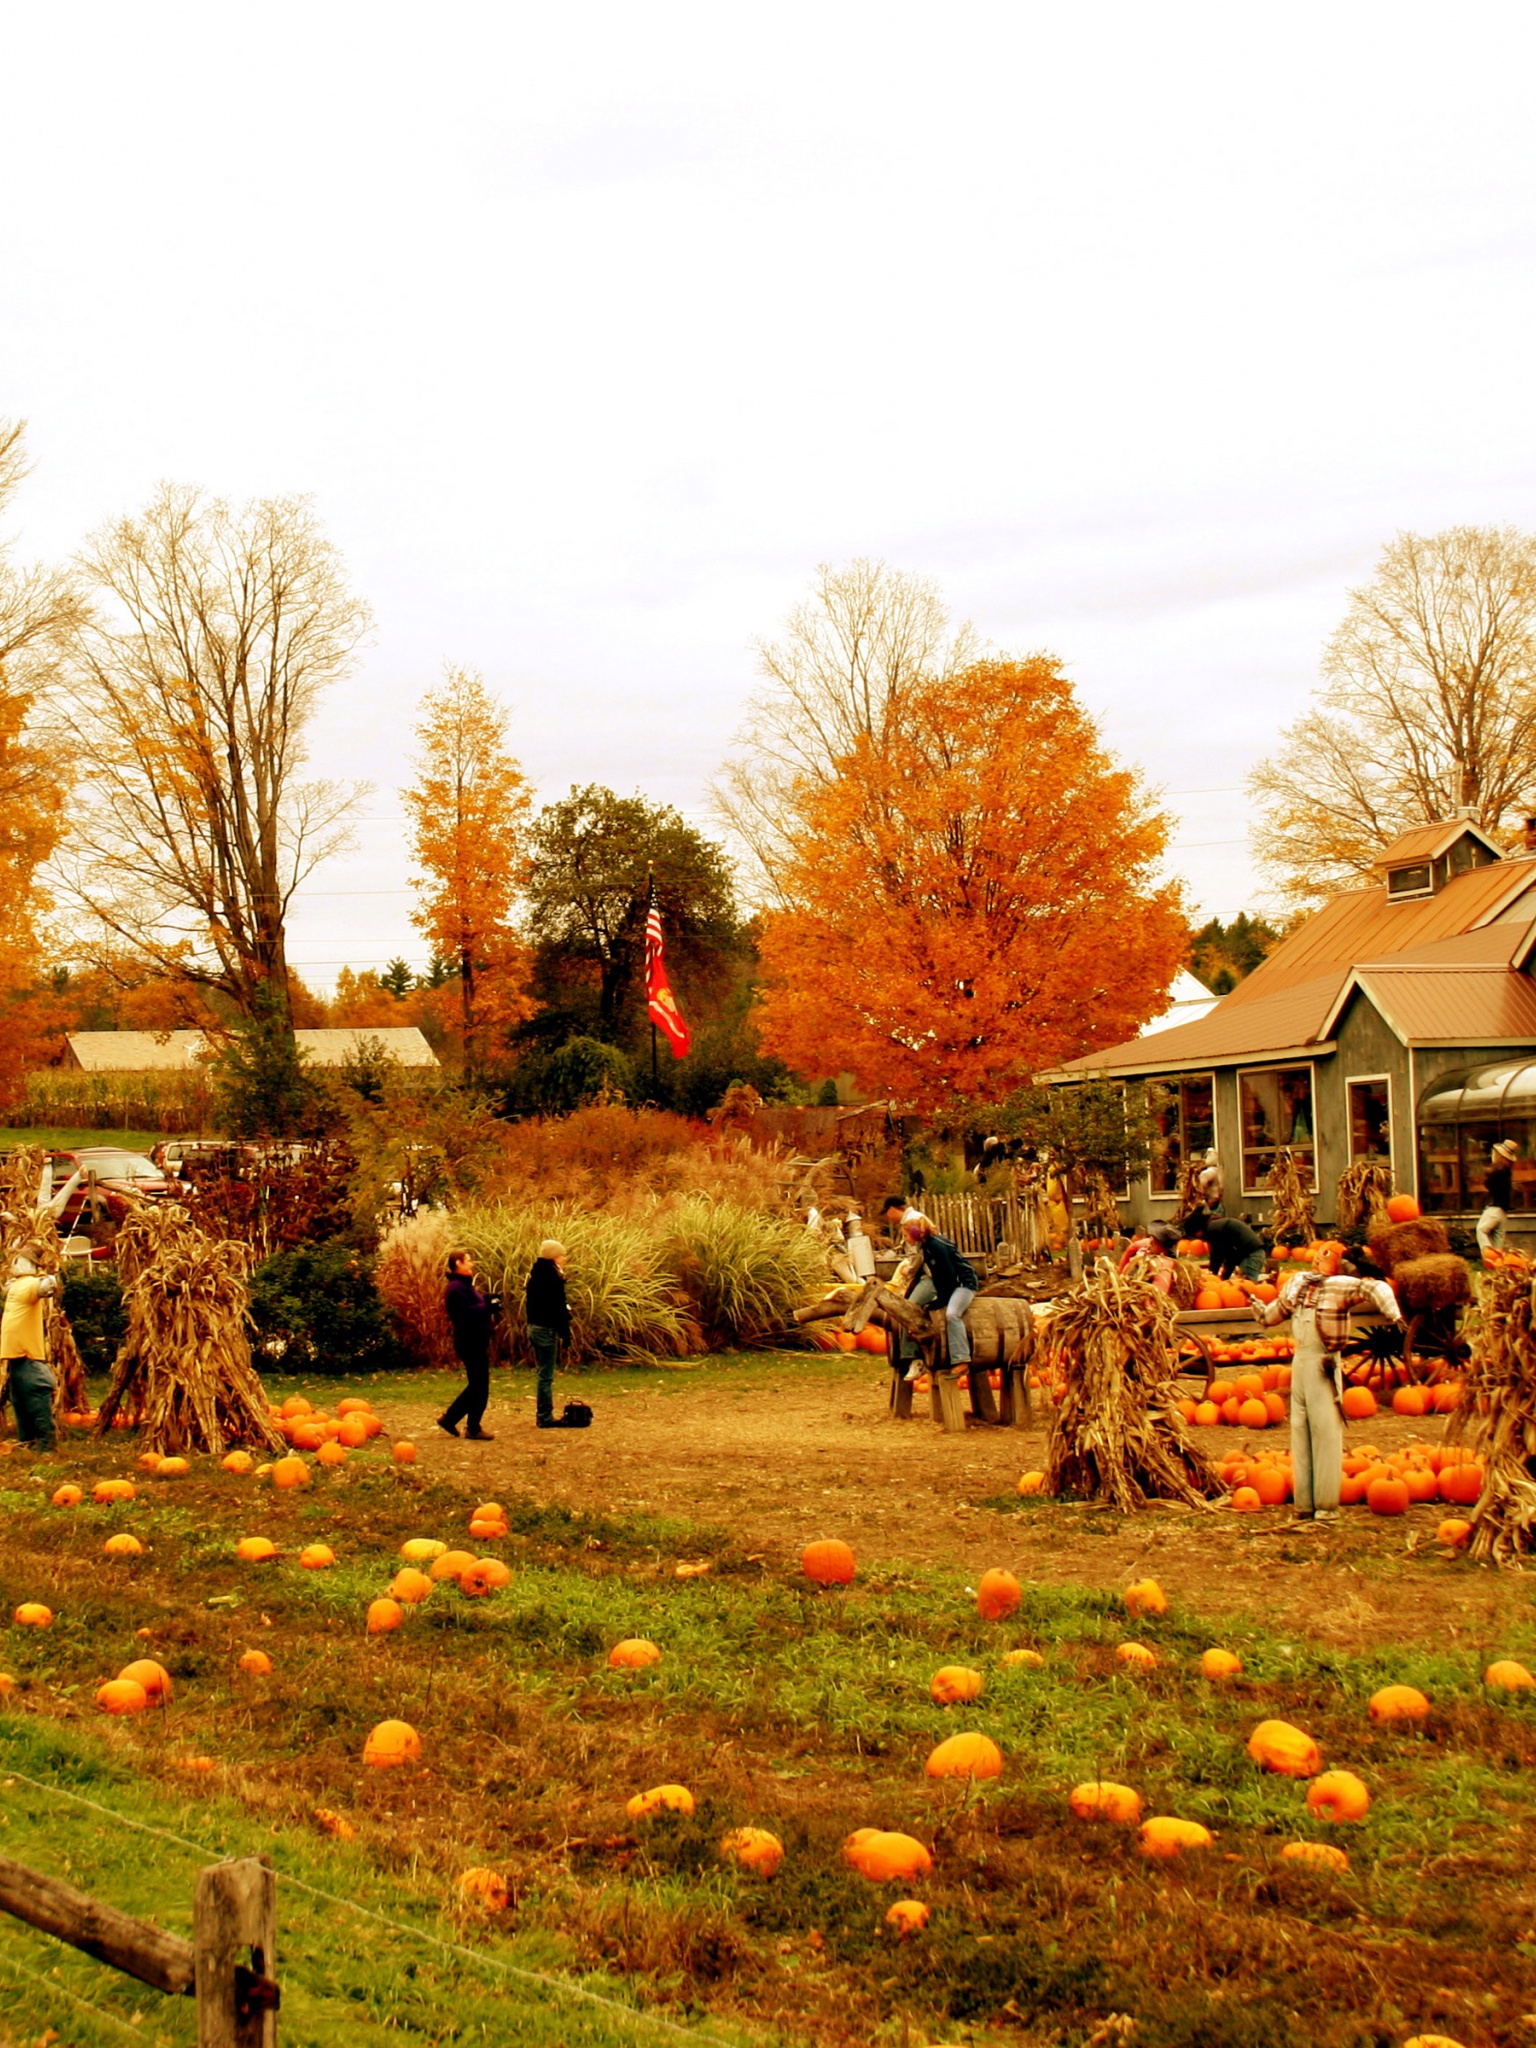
x=623, y=1299
x=744, y=1272
x=1497, y=1416
x=1117, y=1435
x=410, y=1273
x=184, y=1372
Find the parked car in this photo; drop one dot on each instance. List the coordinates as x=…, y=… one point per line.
x=119, y=1174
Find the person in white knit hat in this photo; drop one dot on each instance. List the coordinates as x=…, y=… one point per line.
x=549, y=1324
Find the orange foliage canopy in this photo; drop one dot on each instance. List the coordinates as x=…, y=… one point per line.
x=972, y=899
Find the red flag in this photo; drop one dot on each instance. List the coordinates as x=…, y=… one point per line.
x=660, y=1003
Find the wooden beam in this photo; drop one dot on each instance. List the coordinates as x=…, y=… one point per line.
x=234, y=1908
x=133, y=1946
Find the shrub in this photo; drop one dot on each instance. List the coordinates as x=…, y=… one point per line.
x=93, y=1301
x=745, y=1272
x=410, y=1272
x=316, y=1309
x=624, y=1301
x=612, y=1157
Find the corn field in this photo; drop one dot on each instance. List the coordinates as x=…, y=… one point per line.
x=66, y=1098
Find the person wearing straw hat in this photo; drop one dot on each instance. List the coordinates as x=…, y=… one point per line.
x=1497, y=1194
x=549, y=1324
x=472, y=1313
x=24, y=1348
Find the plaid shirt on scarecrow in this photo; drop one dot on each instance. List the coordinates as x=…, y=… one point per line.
x=1331, y=1300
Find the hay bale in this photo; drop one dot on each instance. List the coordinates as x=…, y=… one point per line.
x=1393, y=1244
x=1438, y=1281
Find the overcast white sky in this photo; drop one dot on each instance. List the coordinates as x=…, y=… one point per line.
x=592, y=329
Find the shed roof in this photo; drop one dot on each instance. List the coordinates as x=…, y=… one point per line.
x=146, y=1052
x=1291, y=1020
x=1447, y=1003
x=402, y=1042
x=1428, y=842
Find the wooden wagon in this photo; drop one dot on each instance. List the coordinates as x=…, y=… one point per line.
x=1002, y=1334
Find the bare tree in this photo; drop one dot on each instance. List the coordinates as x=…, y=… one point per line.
x=845, y=671
x=39, y=609
x=1428, y=706
x=216, y=634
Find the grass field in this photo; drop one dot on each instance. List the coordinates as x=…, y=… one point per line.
x=71, y=1140
x=806, y=1711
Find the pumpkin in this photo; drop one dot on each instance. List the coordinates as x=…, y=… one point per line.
x=453, y=1564
x=391, y=1743
x=288, y=1472
x=1271, y=1484
x=1163, y=1837
x=1359, y=1404
x=410, y=1586
x=753, y=1849
x=1323, y=1855
x=332, y=1454
x=1410, y=1401
x=172, y=1468
x=403, y=1453
x=1387, y=1497
x=154, y=1678
x=1338, y=1795
x=882, y=1856
x=1402, y=1209
x=148, y=1461
x=476, y=1581
x=1508, y=1676
x=633, y=1654
x=353, y=1405
x=123, y=1545
x=295, y=1404
x=1030, y=1482
x=487, y=1532
x=255, y=1663
x=1277, y=1746
x=1433, y=2040
x=1246, y=1501
x=33, y=1614
x=966, y=1756
x=660, y=1799
x=1399, y=1703
x=998, y=1594
x=1030, y=1657
x=1137, y=1655
x=1253, y=1414
x=1220, y=1664
x=907, y=1916
x=421, y=1549
x=1460, y=1485
x=494, y=1571
x=1101, y=1799
x=487, y=1889
x=1207, y=1414
x=238, y=1462
x=67, y=1497
x=1145, y=1596
x=955, y=1682
x=256, y=1549
x=383, y=1616
x=105, y=1491
x=122, y=1696
x=828, y=1562
x=353, y=1433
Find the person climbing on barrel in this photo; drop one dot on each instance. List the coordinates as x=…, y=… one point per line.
x=954, y=1282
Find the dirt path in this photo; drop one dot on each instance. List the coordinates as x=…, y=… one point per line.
x=779, y=1452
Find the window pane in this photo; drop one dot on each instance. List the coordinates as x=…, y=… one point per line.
x=1370, y=1128
x=1440, y=1169
x=1168, y=1144
x=1276, y=1110
x=1199, y=1112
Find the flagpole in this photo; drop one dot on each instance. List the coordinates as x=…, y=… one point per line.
x=655, y=1077
x=650, y=904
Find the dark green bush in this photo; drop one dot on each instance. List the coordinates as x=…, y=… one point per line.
x=93, y=1301
x=316, y=1310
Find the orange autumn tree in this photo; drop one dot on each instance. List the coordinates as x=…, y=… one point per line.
x=972, y=899
x=469, y=809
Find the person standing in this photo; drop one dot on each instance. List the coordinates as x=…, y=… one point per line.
x=1318, y=1304
x=1211, y=1184
x=549, y=1324
x=24, y=1348
x=954, y=1282
x=1498, y=1192
x=471, y=1312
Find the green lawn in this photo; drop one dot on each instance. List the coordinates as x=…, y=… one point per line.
x=63, y=1140
x=802, y=1710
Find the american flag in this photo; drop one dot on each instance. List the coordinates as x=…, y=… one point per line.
x=660, y=1003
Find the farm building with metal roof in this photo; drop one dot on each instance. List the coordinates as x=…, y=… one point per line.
x=144, y=1052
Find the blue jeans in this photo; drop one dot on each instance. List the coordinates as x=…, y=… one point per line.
x=31, y=1391
x=954, y=1322
x=546, y=1351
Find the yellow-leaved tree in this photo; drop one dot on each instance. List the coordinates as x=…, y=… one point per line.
x=469, y=809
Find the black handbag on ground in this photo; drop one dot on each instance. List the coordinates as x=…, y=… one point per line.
x=576, y=1415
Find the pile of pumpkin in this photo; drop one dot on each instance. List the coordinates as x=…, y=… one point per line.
x=1254, y=1400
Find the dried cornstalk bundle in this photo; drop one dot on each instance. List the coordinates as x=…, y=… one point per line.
x=1497, y=1416
x=1116, y=1435
x=1101, y=1217
x=1363, y=1192
x=184, y=1372
x=1188, y=1279
x=1291, y=1214
x=1190, y=1196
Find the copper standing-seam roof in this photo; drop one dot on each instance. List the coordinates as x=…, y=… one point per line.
x=1428, y=842
x=1449, y=1005
x=1491, y=945
x=1365, y=925
x=137, y=1052
x=1288, y=1021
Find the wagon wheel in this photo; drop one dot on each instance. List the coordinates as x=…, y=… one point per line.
x=1431, y=1350
x=1375, y=1350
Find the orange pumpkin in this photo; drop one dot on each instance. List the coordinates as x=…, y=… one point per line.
x=966, y=1756
x=294, y=1405
x=1031, y=1483
x=1023, y=1656
x=452, y=1564
x=1387, y=1497
x=67, y=1497
x=1163, y=1837
x=33, y=1614
x=122, y=1696
x=997, y=1595
x=633, y=1654
x=1137, y=1655
x=391, y=1743
x=256, y=1550
x=290, y=1472
x=317, y=1557
x=753, y=1849
x=1508, y=1676
x=1359, y=1404
x=1322, y=1855
x=953, y=1683
x=1220, y=1664
x=487, y=1889
x=1339, y=1796
x=1145, y=1596
x=1246, y=1501
x=1410, y=1401
x=238, y=1462
x=1100, y=1799
x=154, y=1678
x=123, y=1545
x=383, y=1616
x=660, y=1799
x=907, y=1916
x=1402, y=1208
x=828, y=1562
x=1280, y=1747
x=332, y=1453
x=403, y=1452
x=255, y=1663
x=881, y=1856
x=105, y=1491
x=410, y=1586
x=1399, y=1703
x=1461, y=1485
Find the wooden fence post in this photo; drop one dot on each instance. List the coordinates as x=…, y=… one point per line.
x=234, y=1908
